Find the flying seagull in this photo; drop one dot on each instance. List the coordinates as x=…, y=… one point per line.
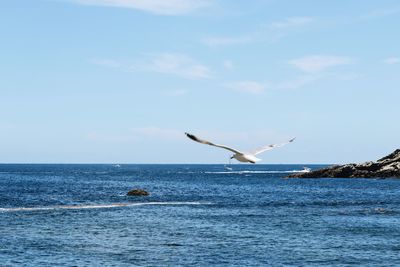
x=241, y=156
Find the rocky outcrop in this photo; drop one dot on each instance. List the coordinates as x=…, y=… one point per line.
x=385, y=167
x=137, y=192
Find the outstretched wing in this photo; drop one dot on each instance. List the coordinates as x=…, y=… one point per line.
x=270, y=147
x=194, y=138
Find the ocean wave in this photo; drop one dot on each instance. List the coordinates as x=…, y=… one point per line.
x=102, y=206
x=256, y=172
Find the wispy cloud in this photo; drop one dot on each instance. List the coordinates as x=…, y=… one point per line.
x=111, y=63
x=251, y=87
x=319, y=63
x=228, y=64
x=179, y=65
x=297, y=82
x=160, y=7
x=178, y=92
x=167, y=63
x=313, y=69
x=270, y=32
x=392, y=60
x=381, y=13
x=291, y=22
x=220, y=41
x=257, y=88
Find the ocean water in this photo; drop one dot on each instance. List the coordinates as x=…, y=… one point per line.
x=196, y=215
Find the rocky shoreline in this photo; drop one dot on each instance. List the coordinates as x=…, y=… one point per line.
x=386, y=167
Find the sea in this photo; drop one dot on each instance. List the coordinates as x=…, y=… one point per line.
x=195, y=215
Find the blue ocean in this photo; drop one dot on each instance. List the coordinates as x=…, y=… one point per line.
x=196, y=215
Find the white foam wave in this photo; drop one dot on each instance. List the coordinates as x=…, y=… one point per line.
x=258, y=172
x=101, y=206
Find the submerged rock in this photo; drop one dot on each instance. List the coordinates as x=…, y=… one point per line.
x=385, y=167
x=138, y=192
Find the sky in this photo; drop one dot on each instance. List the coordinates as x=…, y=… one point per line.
x=120, y=81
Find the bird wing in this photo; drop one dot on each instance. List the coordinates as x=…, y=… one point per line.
x=194, y=138
x=270, y=147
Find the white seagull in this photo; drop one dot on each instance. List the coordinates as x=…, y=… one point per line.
x=241, y=156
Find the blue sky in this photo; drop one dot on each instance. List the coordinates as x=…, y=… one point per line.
x=120, y=81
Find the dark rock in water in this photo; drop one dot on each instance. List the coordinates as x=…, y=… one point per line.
x=385, y=167
x=137, y=192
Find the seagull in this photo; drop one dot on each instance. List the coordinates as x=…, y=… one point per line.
x=238, y=155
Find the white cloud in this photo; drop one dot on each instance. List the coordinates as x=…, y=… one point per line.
x=176, y=64
x=319, y=63
x=271, y=33
x=220, y=41
x=251, y=87
x=392, y=60
x=381, y=13
x=313, y=68
x=291, y=22
x=228, y=64
x=256, y=88
x=160, y=7
x=180, y=65
x=178, y=92
x=297, y=82
x=348, y=76
x=111, y=63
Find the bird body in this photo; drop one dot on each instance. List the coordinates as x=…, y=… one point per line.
x=245, y=158
x=238, y=155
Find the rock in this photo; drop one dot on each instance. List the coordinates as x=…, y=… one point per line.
x=385, y=167
x=137, y=192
